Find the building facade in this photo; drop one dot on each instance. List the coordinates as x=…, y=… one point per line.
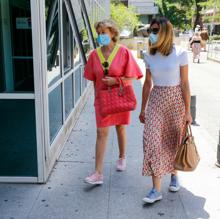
x=146, y=9
x=44, y=46
x=211, y=18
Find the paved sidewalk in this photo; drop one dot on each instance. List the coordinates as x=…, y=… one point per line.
x=205, y=84
x=65, y=196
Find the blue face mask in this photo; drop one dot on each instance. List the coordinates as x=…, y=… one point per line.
x=153, y=38
x=104, y=39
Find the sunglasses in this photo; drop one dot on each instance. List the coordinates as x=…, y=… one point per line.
x=154, y=30
x=105, y=66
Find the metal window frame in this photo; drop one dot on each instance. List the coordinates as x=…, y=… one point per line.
x=88, y=25
x=36, y=96
x=47, y=153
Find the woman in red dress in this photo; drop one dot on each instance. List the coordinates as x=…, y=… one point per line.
x=123, y=65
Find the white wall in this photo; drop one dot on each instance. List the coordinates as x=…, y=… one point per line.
x=144, y=6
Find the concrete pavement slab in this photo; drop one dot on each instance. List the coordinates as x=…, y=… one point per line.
x=72, y=174
x=16, y=200
x=126, y=203
x=71, y=203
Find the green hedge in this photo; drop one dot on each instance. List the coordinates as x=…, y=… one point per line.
x=215, y=37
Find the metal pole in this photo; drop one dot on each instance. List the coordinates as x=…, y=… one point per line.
x=218, y=152
x=193, y=109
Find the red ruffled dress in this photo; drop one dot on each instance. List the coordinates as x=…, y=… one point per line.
x=123, y=65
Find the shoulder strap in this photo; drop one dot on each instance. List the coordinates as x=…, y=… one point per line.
x=110, y=58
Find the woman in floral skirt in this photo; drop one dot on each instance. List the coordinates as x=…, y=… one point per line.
x=165, y=106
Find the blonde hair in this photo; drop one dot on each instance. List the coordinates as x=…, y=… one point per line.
x=164, y=45
x=111, y=26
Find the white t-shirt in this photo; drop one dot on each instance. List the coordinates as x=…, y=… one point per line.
x=165, y=70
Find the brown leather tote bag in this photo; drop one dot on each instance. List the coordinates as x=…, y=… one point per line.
x=187, y=157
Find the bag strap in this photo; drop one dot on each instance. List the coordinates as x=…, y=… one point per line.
x=120, y=81
x=189, y=129
x=110, y=58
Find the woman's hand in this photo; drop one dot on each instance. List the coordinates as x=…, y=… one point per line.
x=188, y=118
x=109, y=81
x=142, y=117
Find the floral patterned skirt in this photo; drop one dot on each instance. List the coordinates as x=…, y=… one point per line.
x=164, y=123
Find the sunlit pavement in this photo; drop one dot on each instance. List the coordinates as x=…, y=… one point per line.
x=65, y=196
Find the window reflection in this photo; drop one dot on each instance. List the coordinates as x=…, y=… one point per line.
x=55, y=111
x=16, y=71
x=68, y=91
x=2, y=75
x=76, y=54
x=78, y=77
x=71, y=53
x=18, y=146
x=67, y=42
x=53, y=44
x=81, y=24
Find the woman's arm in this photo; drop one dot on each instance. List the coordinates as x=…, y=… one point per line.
x=145, y=94
x=192, y=39
x=186, y=91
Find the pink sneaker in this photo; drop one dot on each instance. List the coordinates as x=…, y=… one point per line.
x=94, y=179
x=121, y=164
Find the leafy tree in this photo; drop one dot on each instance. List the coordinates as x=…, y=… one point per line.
x=178, y=12
x=123, y=16
x=212, y=4
x=198, y=15
x=186, y=13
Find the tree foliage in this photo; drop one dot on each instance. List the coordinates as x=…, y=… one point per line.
x=123, y=16
x=178, y=12
x=198, y=15
x=212, y=4
x=185, y=13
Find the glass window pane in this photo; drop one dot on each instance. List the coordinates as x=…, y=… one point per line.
x=55, y=111
x=67, y=41
x=76, y=54
x=77, y=84
x=68, y=91
x=2, y=74
x=53, y=41
x=84, y=83
x=84, y=37
x=18, y=147
x=16, y=71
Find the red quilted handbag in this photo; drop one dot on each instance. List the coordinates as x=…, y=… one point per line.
x=117, y=99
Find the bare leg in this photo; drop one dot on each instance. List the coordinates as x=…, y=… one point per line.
x=156, y=183
x=121, y=133
x=101, y=141
x=174, y=173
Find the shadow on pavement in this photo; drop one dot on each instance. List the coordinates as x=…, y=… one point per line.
x=193, y=204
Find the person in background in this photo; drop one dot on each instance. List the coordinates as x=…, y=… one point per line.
x=165, y=108
x=196, y=42
x=197, y=28
x=205, y=37
x=104, y=75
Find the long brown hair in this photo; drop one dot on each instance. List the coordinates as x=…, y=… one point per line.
x=164, y=44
